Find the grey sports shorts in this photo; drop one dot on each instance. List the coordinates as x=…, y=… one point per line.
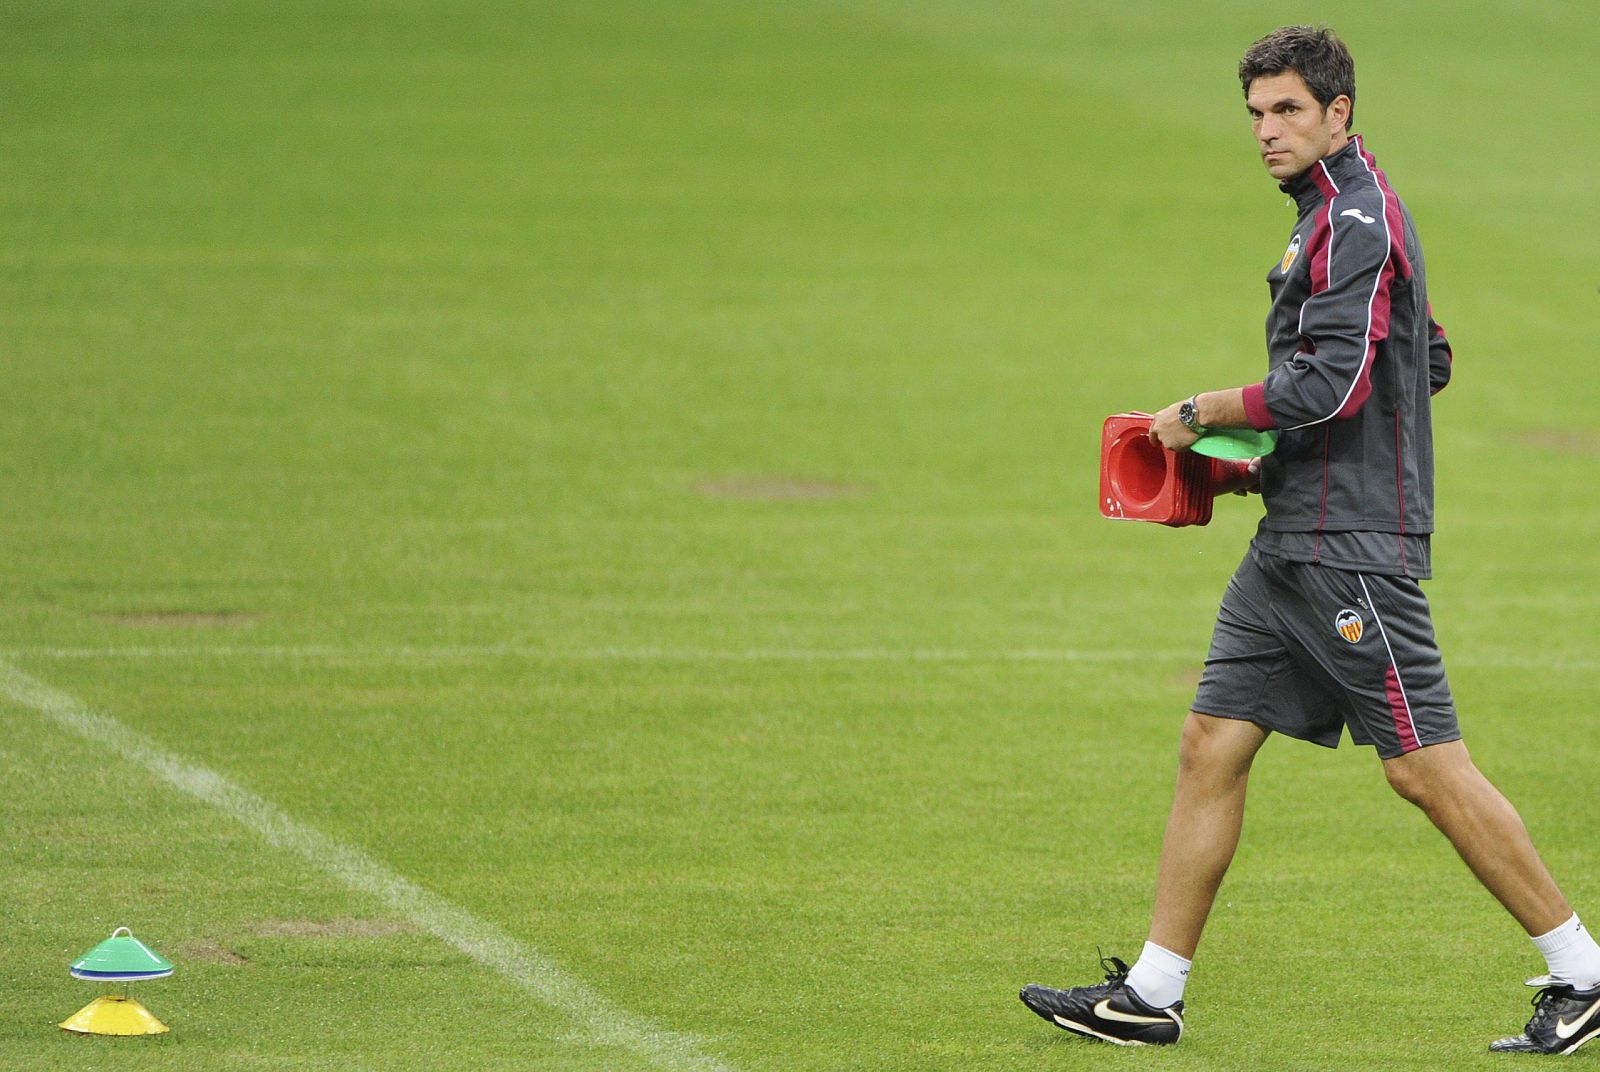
x=1306, y=650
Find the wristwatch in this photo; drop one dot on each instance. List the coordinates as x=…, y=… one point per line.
x=1189, y=414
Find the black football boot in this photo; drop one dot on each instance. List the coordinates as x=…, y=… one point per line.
x=1563, y=1020
x=1109, y=1011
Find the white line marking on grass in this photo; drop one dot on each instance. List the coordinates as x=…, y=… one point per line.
x=486, y=943
x=444, y=653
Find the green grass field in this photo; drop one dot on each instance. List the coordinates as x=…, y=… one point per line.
x=628, y=469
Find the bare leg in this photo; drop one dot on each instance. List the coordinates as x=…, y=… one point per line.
x=1485, y=829
x=1203, y=829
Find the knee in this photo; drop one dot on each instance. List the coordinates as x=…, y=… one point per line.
x=1435, y=777
x=1411, y=784
x=1207, y=750
x=1194, y=744
x=1431, y=787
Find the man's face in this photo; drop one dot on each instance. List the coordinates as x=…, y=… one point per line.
x=1292, y=130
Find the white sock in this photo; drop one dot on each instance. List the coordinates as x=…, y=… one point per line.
x=1159, y=975
x=1570, y=951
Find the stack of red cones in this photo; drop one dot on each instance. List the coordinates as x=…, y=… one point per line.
x=1140, y=481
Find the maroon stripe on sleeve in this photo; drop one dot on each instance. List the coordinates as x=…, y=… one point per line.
x=1255, y=406
x=1377, y=331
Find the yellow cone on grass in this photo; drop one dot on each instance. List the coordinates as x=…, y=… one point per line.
x=113, y=1015
x=122, y=958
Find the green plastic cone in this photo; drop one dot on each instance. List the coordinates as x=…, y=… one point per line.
x=1235, y=444
x=121, y=958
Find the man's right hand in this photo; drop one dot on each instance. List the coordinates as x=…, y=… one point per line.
x=1166, y=430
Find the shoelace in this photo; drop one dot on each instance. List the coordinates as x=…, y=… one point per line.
x=1544, y=1005
x=1116, y=968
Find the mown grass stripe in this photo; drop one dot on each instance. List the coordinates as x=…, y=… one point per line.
x=621, y=654
x=403, y=653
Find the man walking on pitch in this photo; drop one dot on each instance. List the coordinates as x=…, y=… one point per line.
x=1324, y=625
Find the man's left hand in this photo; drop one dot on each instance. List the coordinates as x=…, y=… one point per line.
x=1167, y=431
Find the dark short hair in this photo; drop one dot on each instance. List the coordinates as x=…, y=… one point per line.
x=1315, y=53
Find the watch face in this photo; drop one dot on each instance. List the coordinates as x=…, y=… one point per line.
x=1187, y=414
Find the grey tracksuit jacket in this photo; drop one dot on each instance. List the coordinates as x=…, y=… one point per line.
x=1354, y=358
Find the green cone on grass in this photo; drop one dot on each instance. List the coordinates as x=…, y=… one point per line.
x=121, y=958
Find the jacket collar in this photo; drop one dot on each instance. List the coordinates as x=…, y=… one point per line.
x=1312, y=185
